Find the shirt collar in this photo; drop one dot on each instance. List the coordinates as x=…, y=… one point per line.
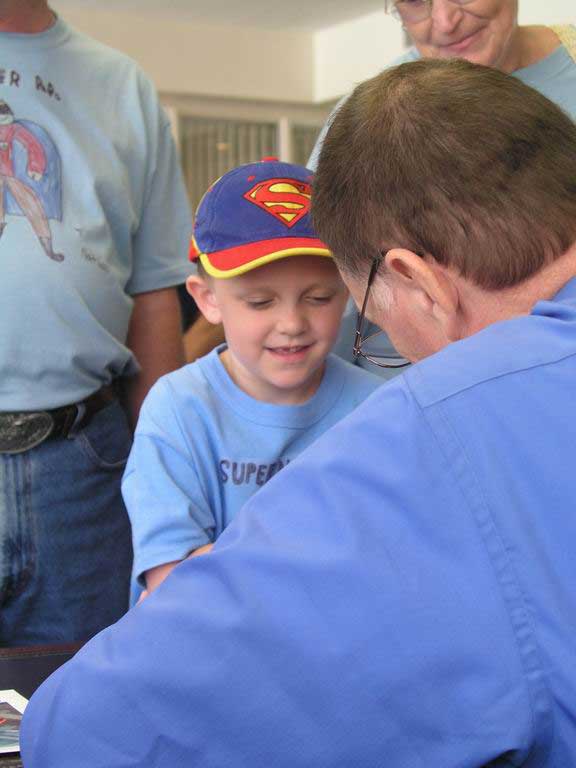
x=545, y=336
x=567, y=292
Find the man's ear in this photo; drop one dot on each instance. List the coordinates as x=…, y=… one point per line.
x=427, y=286
x=201, y=290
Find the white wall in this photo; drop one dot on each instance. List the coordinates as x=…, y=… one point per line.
x=256, y=64
x=549, y=12
x=346, y=54
x=182, y=57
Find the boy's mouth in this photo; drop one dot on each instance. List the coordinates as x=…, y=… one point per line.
x=290, y=351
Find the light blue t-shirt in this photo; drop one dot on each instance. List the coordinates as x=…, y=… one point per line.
x=203, y=447
x=402, y=595
x=88, y=152
x=555, y=77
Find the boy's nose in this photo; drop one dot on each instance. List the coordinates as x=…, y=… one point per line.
x=292, y=323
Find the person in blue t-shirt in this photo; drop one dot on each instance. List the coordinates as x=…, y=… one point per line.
x=211, y=434
x=94, y=218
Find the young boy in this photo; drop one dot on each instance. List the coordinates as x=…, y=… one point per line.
x=212, y=433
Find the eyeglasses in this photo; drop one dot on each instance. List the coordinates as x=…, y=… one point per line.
x=414, y=11
x=393, y=361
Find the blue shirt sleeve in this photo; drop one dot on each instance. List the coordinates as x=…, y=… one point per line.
x=169, y=511
x=333, y=625
x=161, y=241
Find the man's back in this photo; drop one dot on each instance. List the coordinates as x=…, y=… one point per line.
x=508, y=433
x=401, y=595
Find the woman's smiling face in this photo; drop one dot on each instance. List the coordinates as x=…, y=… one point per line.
x=480, y=31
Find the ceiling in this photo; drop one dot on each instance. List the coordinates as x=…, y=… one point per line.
x=268, y=14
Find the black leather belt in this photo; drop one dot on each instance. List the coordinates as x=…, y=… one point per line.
x=22, y=430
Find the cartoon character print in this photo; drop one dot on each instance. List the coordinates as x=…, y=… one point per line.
x=29, y=177
x=288, y=200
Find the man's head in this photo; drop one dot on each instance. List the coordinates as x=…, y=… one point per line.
x=481, y=31
x=264, y=274
x=454, y=171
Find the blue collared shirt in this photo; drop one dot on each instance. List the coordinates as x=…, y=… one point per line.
x=402, y=595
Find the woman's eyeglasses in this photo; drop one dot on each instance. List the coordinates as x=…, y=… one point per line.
x=360, y=342
x=414, y=11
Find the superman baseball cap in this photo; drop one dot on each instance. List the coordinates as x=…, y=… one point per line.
x=253, y=215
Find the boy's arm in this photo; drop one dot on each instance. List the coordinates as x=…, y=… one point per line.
x=155, y=576
x=170, y=512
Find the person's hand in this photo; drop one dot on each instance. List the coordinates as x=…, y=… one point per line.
x=155, y=576
x=201, y=550
x=34, y=175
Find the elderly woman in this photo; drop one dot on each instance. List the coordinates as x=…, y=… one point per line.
x=487, y=32
x=483, y=32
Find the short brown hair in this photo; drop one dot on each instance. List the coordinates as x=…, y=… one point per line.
x=451, y=159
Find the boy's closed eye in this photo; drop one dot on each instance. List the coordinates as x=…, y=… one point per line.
x=320, y=298
x=258, y=303
x=312, y=298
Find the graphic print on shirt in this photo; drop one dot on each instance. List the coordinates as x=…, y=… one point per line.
x=249, y=472
x=30, y=177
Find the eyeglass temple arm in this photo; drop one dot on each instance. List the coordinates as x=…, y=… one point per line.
x=357, y=348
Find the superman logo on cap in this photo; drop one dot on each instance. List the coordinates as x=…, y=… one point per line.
x=288, y=200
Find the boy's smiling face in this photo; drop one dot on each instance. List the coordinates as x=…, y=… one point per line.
x=280, y=321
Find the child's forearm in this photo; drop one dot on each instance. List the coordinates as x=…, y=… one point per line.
x=201, y=550
x=155, y=576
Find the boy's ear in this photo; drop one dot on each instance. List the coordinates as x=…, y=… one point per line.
x=202, y=292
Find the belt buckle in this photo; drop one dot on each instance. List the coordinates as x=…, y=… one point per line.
x=22, y=431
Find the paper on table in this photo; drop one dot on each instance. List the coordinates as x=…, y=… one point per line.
x=12, y=705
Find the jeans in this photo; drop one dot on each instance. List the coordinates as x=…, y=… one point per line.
x=65, y=543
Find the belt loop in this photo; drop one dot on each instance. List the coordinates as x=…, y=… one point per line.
x=77, y=423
